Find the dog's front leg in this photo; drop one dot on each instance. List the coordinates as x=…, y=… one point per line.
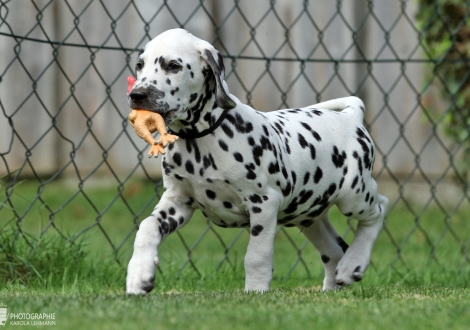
x=167, y=217
x=259, y=255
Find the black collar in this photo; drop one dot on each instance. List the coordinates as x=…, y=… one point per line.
x=205, y=132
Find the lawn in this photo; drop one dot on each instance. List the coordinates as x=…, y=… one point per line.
x=417, y=280
x=397, y=307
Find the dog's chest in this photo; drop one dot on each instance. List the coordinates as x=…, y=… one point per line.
x=219, y=200
x=208, y=183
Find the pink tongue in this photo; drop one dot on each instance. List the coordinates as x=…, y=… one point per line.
x=130, y=83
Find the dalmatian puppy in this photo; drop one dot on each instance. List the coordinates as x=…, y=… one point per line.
x=255, y=170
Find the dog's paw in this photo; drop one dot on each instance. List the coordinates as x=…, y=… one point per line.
x=347, y=275
x=140, y=276
x=331, y=285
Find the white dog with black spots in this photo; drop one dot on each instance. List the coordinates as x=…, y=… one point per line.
x=249, y=169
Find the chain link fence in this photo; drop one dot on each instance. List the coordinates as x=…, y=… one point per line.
x=71, y=164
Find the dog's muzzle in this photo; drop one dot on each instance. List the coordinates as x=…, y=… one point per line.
x=151, y=99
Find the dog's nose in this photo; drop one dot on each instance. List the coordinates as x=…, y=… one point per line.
x=138, y=96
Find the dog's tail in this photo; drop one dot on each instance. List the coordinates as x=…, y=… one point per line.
x=351, y=104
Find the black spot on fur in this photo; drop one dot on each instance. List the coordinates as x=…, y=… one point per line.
x=337, y=157
x=325, y=259
x=255, y=199
x=305, y=197
x=362, y=135
x=287, y=190
x=257, y=154
x=317, y=112
x=227, y=131
x=192, y=97
x=167, y=167
x=256, y=209
x=223, y=145
x=177, y=158
x=273, y=168
x=344, y=246
x=294, y=177
x=332, y=189
x=227, y=205
x=189, y=167
x=318, y=175
x=251, y=175
x=316, y=136
x=211, y=194
x=303, y=143
x=238, y=157
x=240, y=124
x=292, y=207
x=355, y=181
x=206, y=162
x=313, y=152
x=306, y=178
x=211, y=159
x=284, y=173
x=307, y=126
x=341, y=182
x=256, y=230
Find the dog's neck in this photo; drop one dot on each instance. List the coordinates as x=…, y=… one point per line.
x=205, y=126
x=202, y=117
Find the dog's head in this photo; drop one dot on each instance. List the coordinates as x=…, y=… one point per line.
x=179, y=75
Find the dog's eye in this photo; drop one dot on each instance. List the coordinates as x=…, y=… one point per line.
x=138, y=66
x=173, y=66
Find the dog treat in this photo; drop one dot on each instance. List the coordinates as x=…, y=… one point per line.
x=147, y=122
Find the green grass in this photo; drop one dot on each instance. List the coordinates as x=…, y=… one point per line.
x=288, y=308
x=215, y=302
x=425, y=288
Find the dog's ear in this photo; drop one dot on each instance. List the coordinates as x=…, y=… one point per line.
x=221, y=94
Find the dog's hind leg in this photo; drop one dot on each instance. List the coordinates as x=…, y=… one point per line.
x=329, y=245
x=354, y=263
